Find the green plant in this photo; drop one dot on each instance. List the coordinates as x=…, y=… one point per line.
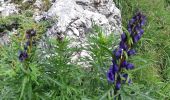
x=153, y=51
x=49, y=72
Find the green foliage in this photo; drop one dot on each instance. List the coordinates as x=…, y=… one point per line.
x=61, y=79
x=100, y=49
x=152, y=60
x=29, y=5
x=23, y=22
x=53, y=75
x=19, y=80
x=50, y=73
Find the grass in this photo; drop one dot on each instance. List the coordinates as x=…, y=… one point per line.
x=153, y=50
x=58, y=78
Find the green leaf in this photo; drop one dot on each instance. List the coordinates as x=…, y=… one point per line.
x=24, y=82
x=106, y=49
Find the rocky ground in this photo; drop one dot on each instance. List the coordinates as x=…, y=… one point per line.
x=73, y=18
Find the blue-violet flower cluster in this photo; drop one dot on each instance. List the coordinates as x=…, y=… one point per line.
x=116, y=74
x=23, y=55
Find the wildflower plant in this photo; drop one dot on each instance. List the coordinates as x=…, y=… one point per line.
x=32, y=74
x=19, y=64
x=29, y=36
x=26, y=58
x=118, y=71
x=19, y=69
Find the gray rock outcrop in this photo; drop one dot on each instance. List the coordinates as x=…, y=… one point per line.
x=75, y=18
x=7, y=9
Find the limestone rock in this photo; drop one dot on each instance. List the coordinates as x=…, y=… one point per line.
x=25, y=1
x=77, y=16
x=75, y=19
x=7, y=9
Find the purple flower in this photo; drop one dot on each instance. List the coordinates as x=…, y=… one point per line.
x=129, y=66
x=136, y=38
x=111, y=75
x=30, y=33
x=132, y=21
x=140, y=31
x=22, y=55
x=123, y=37
x=28, y=43
x=116, y=72
x=115, y=68
x=130, y=30
x=143, y=20
x=113, y=61
x=118, y=53
x=118, y=85
x=124, y=64
x=33, y=32
x=28, y=36
x=131, y=52
x=123, y=45
x=135, y=26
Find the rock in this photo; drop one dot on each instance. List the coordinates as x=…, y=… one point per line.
x=29, y=1
x=4, y=39
x=39, y=4
x=4, y=1
x=80, y=14
x=75, y=19
x=7, y=9
x=1, y=1
x=39, y=9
